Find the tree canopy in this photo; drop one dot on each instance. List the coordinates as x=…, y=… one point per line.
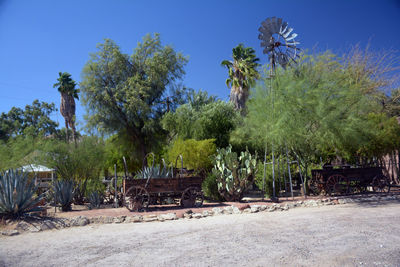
x=125, y=94
x=34, y=120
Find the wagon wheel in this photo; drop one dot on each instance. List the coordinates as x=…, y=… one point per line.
x=337, y=184
x=380, y=183
x=192, y=197
x=136, y=199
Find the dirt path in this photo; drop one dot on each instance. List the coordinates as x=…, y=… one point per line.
x=344, y=235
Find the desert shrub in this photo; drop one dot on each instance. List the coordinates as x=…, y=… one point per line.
x=197, y=155
x=210, y=188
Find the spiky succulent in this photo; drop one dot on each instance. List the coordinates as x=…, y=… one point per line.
x=154, y=172
x=17, y=193
x=95, y=199
x=64, y=193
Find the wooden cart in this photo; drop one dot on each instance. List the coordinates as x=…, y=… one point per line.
x=184, y=191
x=344, y=180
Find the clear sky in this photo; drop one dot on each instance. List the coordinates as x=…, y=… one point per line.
x=40, y=38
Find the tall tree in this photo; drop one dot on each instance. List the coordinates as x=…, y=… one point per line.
x=125, y=94
x=34, y=120
x=242, y=74
x=66, y=87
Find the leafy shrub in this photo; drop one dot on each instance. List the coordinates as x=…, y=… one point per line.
x=197, y=155
x=64, y=193
x=234, y=174
x=17, y=194
x=210, y=188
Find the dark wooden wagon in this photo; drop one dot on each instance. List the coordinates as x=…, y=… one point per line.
x=345, y=179
x=184, y=191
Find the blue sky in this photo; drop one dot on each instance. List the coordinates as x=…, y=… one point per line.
x=40, y=38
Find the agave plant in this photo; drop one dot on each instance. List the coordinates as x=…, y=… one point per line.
x=64, y=193
x=95, y=199
x=17, y=194
x=154, y=172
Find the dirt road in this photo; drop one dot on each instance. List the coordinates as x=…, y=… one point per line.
x=344, y=235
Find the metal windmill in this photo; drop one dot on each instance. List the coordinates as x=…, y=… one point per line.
x=278, y=41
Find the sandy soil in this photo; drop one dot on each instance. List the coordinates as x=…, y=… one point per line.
x=345, y=235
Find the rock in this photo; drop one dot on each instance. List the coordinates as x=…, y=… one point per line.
x=286, y=207
x=134, y=219
x=197, y=215
x=228, y=210
x=119, y=219
x=254, y=208
x=217, y=211
x=187, y=215
x=22, y=226
x=47, y=225
x=167, y=217
x=342, y=201
x=263, y=207
x=206, y=213
x=247, y=210
x=236, y=210
x=108, y=219
x=80, y=221
x=10, y=232
x=271, y=208
x=299, y=202
x=150, y=218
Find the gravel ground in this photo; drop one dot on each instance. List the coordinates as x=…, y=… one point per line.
x=366, y=234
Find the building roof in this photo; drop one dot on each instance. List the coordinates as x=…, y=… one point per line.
x=35, y=168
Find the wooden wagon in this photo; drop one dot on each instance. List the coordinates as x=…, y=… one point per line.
x=344, y=180
x=184, y=191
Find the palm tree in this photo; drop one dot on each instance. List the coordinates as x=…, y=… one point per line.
x=242, y=74
x=66, y=86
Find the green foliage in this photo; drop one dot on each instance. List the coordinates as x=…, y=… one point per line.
x=34, y=121
x=234, y=174
x=154, y=172
x=320, y=108
x=64, y=193
x=66, y=85
x=17, y=194
x=210, y=187
x=124, y=94
x=242, y=74
x=201, y=118
x=79, y=163
x=197, y=155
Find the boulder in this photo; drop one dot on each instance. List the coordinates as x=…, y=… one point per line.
x=79, y=221
x=197, y=215
x=227, y=210
x=10, y=232
x=217, y=211
x=150, y=218
x=236, y=210
x=167, y=217
x=134, y=219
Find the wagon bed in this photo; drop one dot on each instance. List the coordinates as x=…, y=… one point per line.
x=184, y=191
x=344, y=180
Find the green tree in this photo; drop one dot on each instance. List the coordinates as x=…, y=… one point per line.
x=34, y=120
x=242, y=74
x=320, y=108
x=66, y=87
x=124, y=94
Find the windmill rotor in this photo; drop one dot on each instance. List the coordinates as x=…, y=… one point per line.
x=279, y=42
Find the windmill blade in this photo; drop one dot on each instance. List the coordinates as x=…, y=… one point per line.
x=284, y=27
x=279, y=23
x=285, y=35
x=274, y=25
x=292, y=46
x=294, y=35
x=293, y=43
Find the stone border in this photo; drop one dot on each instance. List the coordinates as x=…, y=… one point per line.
x=48, y=223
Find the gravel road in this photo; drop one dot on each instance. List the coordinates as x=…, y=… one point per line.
x=344, y=235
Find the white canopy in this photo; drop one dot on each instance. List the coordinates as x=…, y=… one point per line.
x=35, y=168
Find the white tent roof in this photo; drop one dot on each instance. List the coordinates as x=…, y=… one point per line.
x=35, y=168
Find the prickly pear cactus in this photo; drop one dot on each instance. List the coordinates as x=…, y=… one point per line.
x=234, y=174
